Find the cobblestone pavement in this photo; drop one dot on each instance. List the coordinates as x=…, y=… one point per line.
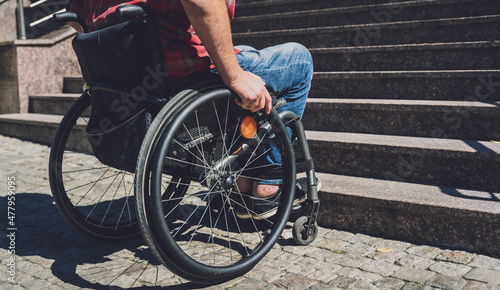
x=50, y=254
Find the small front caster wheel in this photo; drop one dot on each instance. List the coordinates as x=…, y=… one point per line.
x=300, y=235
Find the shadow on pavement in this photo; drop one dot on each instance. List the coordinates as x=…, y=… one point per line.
x=77, y=259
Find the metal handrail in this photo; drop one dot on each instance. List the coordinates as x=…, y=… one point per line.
x=21, y=20
x=38, y=3
x=21, y=29
x=48, y=17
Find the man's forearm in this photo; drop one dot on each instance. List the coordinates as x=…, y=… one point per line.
x=211, y=23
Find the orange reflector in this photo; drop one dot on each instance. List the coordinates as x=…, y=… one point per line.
x=248, y=127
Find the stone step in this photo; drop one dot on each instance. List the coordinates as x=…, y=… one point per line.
x=54, y=104
x=375, y=13
x=442, y=56
x=463, y=85
x=461, y=29
x=461, y=163
x=39, y=128
x=417, y=213
x=246, y=7
x=437, y=119
x=446, y=162
x=458, y=85
x=73, y=85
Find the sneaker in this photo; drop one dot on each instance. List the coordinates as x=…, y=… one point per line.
x=262, y=208
x=247, y=206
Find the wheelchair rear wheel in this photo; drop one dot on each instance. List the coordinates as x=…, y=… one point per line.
x=186, y=197
x=94, y=198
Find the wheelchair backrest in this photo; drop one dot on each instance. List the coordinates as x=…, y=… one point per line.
x=123, y=56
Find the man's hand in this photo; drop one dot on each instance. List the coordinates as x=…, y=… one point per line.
x=252, y=91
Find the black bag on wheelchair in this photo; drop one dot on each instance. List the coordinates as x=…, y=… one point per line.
x=117, y=65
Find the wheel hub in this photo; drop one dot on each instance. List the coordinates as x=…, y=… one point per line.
x=218, y=180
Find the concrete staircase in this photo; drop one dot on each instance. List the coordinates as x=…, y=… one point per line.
x=402, y=112
x=404, y=106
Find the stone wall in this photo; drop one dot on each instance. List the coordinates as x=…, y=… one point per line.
x=34, y=67
x=8, y=30
x=8, y=79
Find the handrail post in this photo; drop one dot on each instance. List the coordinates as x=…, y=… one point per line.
x=21, y=28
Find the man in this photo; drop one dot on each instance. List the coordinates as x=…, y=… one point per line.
x=285, y=69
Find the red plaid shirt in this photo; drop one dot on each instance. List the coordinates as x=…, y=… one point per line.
x=183, y=51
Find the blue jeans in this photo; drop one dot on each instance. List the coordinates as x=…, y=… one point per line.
x=287, y=70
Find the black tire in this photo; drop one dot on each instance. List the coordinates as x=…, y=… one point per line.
x=298, y=231
x=98, y=200
x=199, y=236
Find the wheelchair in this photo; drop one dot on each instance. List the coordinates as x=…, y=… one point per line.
x=169, y=166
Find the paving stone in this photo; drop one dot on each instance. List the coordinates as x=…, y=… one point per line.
x=396, y=246
x=330, y=243
x=43, y=275
x=368, y=276
x=23, y=277
x=415, y=286
x=170, y=282
x=484, y=275
x=380, y=267
x=348, y=260
x=388, y=257
x=323, y=287
x=36, y=284
x=149, y=275
x=11, y=286
x=294, y=281
x=323, y=255
x=340, y=235
x=424, y=251
x=250, y=283
x=389, y=282
x=364, y=239
x=29, y=267
x=413, y=261
x=450, y=269
x=357, y=249
x=277, y=264
x=486, y=262
x=413, y=275
x=459, y=257
x=228, y=284
x=164, y=273
x=124, y=281
x=343, y=282
x=288, y=258
x=365, y=285
x=304, y=266
x=446, y=282
x=295, y=250
x=348, y=272
x=268, y=274
x=323, y=275
x=475, y=285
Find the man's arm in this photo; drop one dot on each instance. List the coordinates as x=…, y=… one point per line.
x=211, y=23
